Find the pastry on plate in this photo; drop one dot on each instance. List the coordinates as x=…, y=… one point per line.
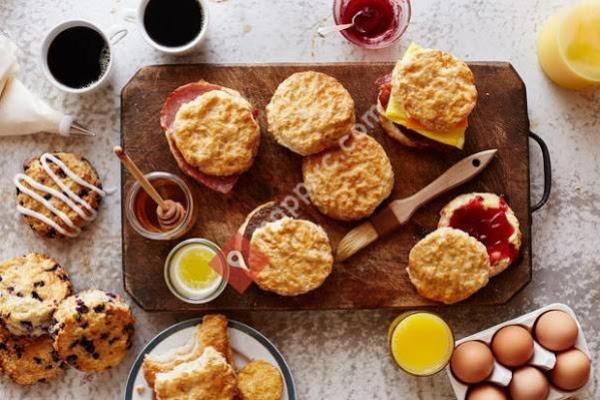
x=310, y=112
x=298, y=256
x=211, y=332
x=349, y=182
x=259, y=380
x=27, y=360
x=31, y=287
x=92, y=330
x=448, y=266
x=427, y=99
x=212, y=133
x=207, y=377
x=58, y=194
x=488, y=218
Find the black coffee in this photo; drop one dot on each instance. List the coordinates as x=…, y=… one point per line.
x=173, y=23
x=78, y=57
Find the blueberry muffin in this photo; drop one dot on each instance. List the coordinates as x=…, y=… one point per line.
x=92, y=330
x=66, y=211
x=31, y=287
x=29, y=360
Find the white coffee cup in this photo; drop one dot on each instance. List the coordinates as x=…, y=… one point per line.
x=137, y=16
x=111, y=38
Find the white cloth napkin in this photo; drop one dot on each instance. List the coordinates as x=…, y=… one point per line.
x=21, y=111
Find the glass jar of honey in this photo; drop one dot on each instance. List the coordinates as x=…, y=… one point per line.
x=141, y=208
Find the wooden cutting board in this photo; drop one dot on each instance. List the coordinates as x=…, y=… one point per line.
x=374, y=278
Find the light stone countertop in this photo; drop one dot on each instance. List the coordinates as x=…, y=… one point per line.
x=333, y=355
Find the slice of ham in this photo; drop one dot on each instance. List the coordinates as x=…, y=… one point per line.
x=180, y=96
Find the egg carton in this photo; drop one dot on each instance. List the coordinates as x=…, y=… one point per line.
x=542, y=358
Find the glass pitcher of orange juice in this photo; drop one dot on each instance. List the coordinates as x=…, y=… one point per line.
x=569, y=46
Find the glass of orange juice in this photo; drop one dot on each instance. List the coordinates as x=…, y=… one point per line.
x=421, y=342
x=569, y=45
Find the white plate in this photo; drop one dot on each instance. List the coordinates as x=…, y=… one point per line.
x=247, y=344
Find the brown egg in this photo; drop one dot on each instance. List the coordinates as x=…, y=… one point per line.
x=528, y=383
x=512, y=346
x=572, y=370
x=486, y=391
x=556, y=330
x=472, y=362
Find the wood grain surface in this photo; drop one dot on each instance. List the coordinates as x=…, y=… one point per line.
x=375, y=277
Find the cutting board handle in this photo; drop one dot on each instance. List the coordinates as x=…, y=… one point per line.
x=547, y=172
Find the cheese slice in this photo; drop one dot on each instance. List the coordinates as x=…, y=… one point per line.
x=397, y=114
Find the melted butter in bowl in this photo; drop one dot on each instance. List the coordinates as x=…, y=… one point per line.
x=192, y=271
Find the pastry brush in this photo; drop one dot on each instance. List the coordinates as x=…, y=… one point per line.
x=398, y=212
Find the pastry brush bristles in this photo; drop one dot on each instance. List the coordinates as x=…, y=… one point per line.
x=356, y=240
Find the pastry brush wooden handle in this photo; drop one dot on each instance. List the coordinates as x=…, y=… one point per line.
x=459, y=173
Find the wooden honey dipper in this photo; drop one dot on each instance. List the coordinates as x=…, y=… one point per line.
x=170, y=213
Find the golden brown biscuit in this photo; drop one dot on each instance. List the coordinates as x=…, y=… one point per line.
x=448, y=265
x=31, y=287
x=92, y=330
x=217, y=133
x=435, y=88
x=299, y=256
x=259, y=380
x=208, y=377
x=82, y=168
x=309, y=112
x=211, y=332
x=28, y=360
x=502, y=250
x=349, y=182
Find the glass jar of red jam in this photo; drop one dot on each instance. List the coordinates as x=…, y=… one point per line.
x=378, y=23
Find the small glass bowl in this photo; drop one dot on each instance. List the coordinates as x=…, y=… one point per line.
x=390, y=335
x=186, y=224
x=223, y=266
x=403, y=12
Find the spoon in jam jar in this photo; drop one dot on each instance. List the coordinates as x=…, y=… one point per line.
x=326, y=30
x=170, y=213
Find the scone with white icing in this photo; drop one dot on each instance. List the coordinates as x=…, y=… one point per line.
x=58, y=194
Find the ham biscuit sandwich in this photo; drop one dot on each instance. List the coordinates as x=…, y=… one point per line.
x=212, y=132
x=426, y=100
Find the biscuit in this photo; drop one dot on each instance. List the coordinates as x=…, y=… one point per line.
x=207, y=377
x=298, y=254
x=211, y=332
x=28, y=360
x=259, y=380
x=217, y=133
x=31, y=287
x=448, y=265
x=349, y=182
x=92, y=330
x=499, y=260
x=435, y=88
x=82, y=168
x=309, y=112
